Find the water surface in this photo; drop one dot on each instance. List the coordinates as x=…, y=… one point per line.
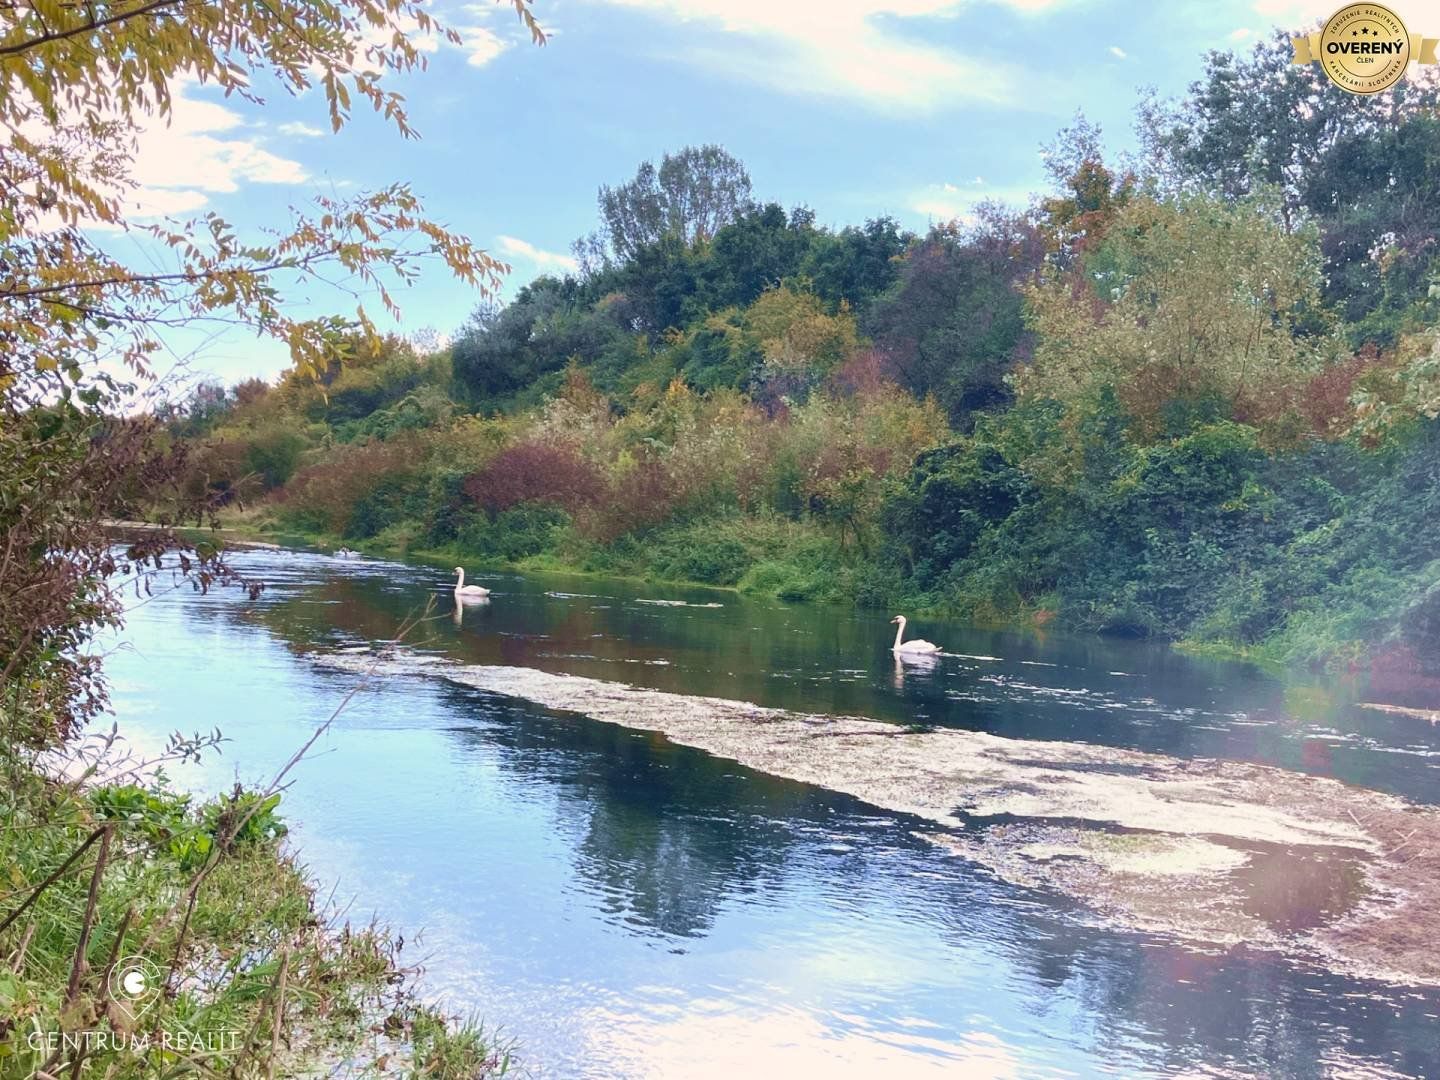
x=628, y=908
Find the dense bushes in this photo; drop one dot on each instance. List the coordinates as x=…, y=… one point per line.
x=273, y=453
x=534, y=472
x=1139, y=406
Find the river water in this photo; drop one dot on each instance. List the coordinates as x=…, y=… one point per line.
x=625, y=907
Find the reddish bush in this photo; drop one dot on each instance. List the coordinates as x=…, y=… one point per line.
x=1325, y=400
x=1399, y=672
x=536, y=472
x=864, y=374
x=329, y=490
x=644, y=495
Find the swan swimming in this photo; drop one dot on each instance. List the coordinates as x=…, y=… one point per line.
x=911, y=648
x=468, y=592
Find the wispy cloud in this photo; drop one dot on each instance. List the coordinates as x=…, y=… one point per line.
x=301, y=130
x=957, y=202
x=1118, y=52
x=481, y=45
x=205, y=149
x=850, y=49
x=943, y=202
x=516, y=248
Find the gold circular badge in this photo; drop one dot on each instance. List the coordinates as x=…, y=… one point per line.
x=1364, y=48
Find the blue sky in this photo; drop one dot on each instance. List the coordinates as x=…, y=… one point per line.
x=915, y=108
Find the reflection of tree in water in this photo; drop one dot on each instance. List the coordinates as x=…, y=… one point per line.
x=669, y=833
x=831, y=661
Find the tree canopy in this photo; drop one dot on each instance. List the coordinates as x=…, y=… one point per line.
x=690, y=196
x=79, y=322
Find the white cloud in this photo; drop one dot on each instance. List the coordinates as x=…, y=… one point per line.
x=849, y=49
x=1241, y=33
x=179, y=164
x=481, y=45
x=523, y=249
x=942, y=207
x=954, y=202
x=382, y=36
x=1118, y=52
x=301, y=130
x=186, y=154
x=160, y=202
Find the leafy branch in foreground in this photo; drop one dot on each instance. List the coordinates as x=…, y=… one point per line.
x=79, y=82
x=202, y=893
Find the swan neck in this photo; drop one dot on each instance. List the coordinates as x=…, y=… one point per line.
x=899, y=630
x=460, y=582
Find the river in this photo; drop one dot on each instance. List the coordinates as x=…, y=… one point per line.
x=623, y=906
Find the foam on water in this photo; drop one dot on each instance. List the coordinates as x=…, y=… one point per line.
x=1216, y=852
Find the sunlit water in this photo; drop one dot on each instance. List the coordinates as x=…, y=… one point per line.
x=627, y=908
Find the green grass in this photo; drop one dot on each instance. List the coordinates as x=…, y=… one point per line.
x=764, y=555
x=204, y=897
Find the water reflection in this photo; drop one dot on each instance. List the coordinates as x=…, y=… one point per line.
x=922, y=664
x=1124, y=694
x=630, y=908
x=472, y=603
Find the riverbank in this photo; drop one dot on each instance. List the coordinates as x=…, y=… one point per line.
x=1215, y=853
x=258, y=526
x=146, y=930
x=786, y=576
x=767, y=584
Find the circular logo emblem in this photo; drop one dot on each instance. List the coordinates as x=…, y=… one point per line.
x=1364, y=48
x=135, y=984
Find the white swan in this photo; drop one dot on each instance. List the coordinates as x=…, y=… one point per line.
x=468, y=592
x=911, y=648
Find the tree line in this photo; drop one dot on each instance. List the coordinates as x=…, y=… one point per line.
x=1187, y=393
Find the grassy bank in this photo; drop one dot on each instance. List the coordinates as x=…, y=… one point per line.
x=767, y=557
x=147, y=933
x=1127, y=409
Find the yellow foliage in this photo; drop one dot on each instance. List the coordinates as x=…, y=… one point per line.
x=795, y=334
x=77, y=81
x=1186, y=298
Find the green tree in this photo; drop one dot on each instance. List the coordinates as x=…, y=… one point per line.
x=952, y=324
x=855, y=265
x=1362, y=168
x=691, y=195
x=1187, y=300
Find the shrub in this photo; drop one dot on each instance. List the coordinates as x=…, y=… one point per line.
x=718, y=560
x=536, y=472
x=394, y=500
x=274, y=454
x=376, y=479
x=511, y=535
